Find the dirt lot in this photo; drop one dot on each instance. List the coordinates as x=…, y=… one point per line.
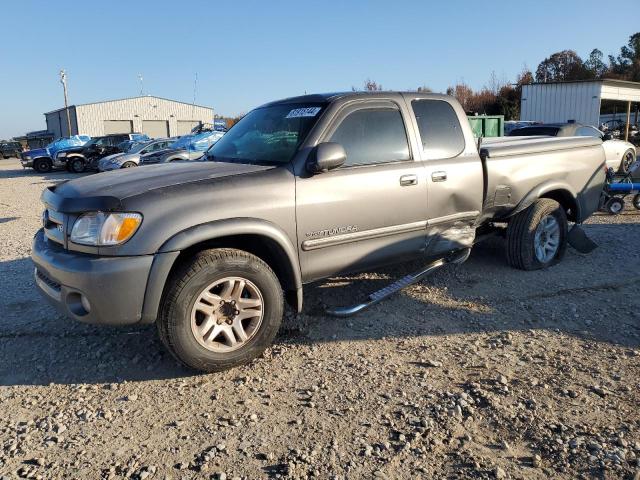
x=480, y=371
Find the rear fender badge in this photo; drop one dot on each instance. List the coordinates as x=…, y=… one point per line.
x=331, y=232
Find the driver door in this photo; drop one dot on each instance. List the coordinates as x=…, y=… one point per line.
x=373, y=208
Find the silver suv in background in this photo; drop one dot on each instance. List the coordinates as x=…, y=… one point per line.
x=132, y=157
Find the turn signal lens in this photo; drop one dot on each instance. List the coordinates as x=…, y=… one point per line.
x=104, y=229
x=119, y=227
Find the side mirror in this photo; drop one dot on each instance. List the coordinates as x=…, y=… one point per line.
x=326, y=156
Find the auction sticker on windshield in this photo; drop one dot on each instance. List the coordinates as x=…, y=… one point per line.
x=303, y=112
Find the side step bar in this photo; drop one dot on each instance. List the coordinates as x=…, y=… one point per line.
x=377, y=296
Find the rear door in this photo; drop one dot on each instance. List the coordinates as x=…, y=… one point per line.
x=454, y=174
x=372, y=209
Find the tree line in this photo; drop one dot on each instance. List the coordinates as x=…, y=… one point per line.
x=501, y=97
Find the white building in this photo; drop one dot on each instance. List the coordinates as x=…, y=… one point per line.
x=580, y=101
x=155, y=116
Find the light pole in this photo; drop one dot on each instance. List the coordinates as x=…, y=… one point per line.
x=63, y=81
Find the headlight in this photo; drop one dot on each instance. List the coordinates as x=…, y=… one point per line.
x=26, y=157
x=102, y=229
x=61, y=154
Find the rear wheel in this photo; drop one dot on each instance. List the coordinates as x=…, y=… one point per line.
x=42, y=165
x=537, y=236
x=627, y=160
x=222, y=309
x=636, y=201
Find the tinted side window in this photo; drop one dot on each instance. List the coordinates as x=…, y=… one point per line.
x=439, y=127
x=373, y=136
x=588, y=132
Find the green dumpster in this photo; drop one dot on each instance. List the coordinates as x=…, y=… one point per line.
x=487, y=125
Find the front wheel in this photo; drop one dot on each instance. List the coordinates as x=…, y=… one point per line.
x=42, y=165
x=615, y=205
x=129, y=165
x=537, y=236
x=221, y=309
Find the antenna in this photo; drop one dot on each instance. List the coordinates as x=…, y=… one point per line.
x=63, y=81
x=141, y=79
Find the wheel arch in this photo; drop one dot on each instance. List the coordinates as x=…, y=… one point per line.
x=258, y=237
x=561, y=193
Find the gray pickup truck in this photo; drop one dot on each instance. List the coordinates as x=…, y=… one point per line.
x=300, y=190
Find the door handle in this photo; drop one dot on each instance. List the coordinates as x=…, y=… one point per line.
x=406, y=180
x=439, y=176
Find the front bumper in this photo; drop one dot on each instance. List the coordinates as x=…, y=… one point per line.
x=89, y=288
x=26, y=163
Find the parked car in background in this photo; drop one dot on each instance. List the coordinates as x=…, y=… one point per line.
x=617, y=128
x=131, y=158
x=87, y=156
x=43, y=160
x=10, y=149
x=619, y=154
x=129, y=144
x=511, y=125
x=189, y=147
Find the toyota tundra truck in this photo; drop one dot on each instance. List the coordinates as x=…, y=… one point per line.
x=300, y=190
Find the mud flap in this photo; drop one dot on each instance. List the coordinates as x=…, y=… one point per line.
x=578, y=239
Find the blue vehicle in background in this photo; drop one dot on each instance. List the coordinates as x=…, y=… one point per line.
x=42, y=160
x=188, y=147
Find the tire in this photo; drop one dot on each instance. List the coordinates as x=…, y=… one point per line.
x=42, y=165
x=627, y=160
x=636, y=201
x=181, y=324
x=615, y=205
x=129, y=165
x=76, y=165
x=529, y=227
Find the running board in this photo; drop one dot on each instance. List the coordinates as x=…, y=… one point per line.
x=379, y=295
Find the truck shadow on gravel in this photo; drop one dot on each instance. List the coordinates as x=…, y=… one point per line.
x=578, y=297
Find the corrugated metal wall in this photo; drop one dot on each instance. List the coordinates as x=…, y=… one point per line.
x=57, y=123
x=91, y=117
x=561, y=102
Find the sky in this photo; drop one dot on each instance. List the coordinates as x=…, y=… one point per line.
x=245, y=53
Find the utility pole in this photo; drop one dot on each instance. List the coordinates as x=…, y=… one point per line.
x=141, y=78
x=63, y=81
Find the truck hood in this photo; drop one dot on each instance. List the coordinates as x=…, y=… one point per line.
x=36, y=152
x=105, y=191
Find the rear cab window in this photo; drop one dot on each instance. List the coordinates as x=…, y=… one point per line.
x=440, y=131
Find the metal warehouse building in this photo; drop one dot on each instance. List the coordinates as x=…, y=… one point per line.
x=580, y=101
x=155, y=116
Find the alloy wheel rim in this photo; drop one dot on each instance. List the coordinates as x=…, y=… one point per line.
x=547, y=239
x=628, y=161
x=227, y=314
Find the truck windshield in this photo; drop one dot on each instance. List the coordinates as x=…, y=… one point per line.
x=269, y=135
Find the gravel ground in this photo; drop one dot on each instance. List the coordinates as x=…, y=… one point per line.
x=479, y=371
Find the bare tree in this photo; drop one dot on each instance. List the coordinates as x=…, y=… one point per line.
x=371, y=86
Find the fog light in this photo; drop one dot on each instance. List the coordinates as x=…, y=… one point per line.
x=84, y=301
x=78, y=304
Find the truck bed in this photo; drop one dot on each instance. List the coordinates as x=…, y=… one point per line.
x=519, y=168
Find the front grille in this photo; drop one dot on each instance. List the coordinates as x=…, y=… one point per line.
x=53, y=284
x=54, y=225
